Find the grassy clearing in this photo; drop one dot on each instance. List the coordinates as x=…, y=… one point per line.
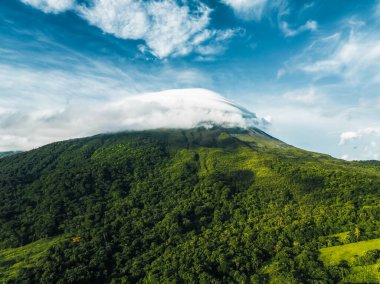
x=13, y=260
x=358, y=274
x=333, y=255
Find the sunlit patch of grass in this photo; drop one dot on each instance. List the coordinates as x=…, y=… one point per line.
x=13, y=260
x=350, y=252
x=333, y=255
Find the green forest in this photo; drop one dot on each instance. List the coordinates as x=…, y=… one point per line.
x=187, y=206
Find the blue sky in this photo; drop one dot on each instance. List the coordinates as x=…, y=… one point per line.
x=309, y=70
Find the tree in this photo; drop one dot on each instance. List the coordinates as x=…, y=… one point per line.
x=357, y=233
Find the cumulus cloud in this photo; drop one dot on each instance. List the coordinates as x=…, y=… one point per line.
x=247, y=9
x=289, y=32
x=51, y=6
x=366, y=140
x=351, y=135
x=348, y=136
x=166, y=27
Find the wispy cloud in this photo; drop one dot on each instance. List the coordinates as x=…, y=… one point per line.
x=304, y=96
x=51, y=6
x=247, y=9
x=165, y=27
x=289, y=32
x=215, y=40
x=256, y=9
x=353, y=54
x=353, y=58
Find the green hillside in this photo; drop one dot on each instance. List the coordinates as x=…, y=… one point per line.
x=183, y=206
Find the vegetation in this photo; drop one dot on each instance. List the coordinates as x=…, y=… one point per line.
x=352, y=252
x=5, y=154
x=363, y=274
x=14, y=260
x=363, y=258
x=185, y=206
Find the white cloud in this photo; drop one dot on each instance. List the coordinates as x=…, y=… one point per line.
x=51, y=6
x=345, y=157
x=247, y=9
x=281, y=73
x=216, y=41
x=166, y=27
x=125, y=19
x=304, y=96
x=255, y=9
x=365, y=140
x=307, y=6
x=181, y=108
x=308, y=26
x=348, y=136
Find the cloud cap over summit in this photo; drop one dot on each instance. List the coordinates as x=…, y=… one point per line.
x=178, y=108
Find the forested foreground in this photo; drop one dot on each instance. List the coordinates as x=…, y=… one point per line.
x=194, y=206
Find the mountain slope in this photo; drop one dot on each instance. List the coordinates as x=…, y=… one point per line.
x=194, y=206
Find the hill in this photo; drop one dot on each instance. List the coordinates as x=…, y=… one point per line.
x=182, y=206
x=5, y=154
